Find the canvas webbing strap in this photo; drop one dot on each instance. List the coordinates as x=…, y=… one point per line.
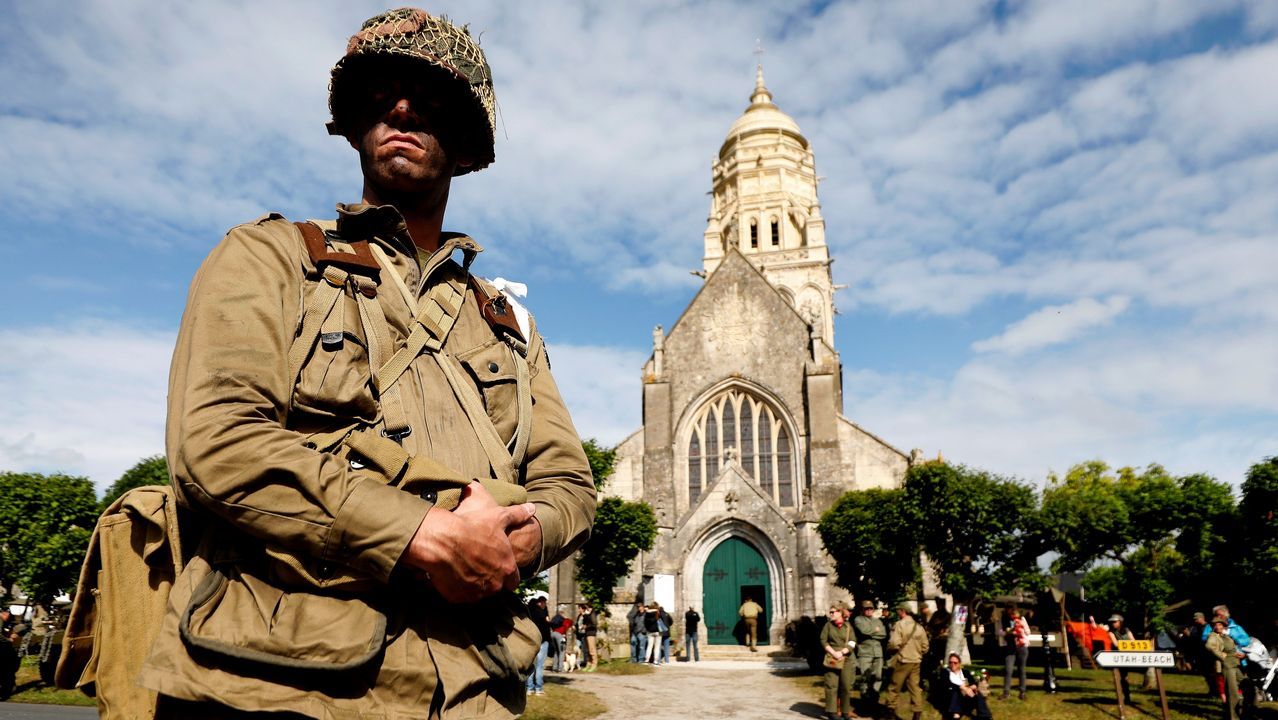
x=436, y=313
x=435, y=316
x=319, y=309
x=499, y=457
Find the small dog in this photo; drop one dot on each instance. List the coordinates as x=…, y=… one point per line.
x=571, y=662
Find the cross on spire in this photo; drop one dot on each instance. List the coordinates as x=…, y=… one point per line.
x=761, y=94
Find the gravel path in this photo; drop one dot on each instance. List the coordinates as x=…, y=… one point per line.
x=707, y=690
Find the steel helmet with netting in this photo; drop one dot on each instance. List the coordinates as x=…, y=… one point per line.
x=439, y=48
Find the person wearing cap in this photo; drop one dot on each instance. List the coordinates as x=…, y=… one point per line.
x=367, y=434
x=1196, y=646
x=870, y=634
x=1228, y=657
x=1236, y=631
x=909, y=640
x=1118, y=630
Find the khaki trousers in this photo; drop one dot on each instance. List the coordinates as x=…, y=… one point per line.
x=840, y=682
x=869, y=674
x=752, y=629
x=1231, y=693
x=906, y=674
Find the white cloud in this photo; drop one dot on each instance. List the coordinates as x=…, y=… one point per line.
x=1067, y=155
x=86, y=400
x=1196, y=401
x=1053, y=325
x=601, y=387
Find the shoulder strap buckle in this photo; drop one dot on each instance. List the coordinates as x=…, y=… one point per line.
x=359, y=262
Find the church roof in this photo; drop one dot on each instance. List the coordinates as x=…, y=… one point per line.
x=763, y=115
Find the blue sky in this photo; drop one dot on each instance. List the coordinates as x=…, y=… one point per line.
x=1056, y=220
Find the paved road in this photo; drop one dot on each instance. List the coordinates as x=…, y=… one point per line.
x=708, y=690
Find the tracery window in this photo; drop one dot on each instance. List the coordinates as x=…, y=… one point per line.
x=776, y=233
x=755, y=430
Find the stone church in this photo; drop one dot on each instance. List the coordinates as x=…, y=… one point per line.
x=744, y=443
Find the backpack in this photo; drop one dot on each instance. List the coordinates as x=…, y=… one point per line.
x=135, y=554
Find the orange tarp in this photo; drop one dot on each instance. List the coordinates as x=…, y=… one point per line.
x=1085, y=634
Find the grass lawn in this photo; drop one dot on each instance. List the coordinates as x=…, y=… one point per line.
x=563, y=703
x=624, y=667
x=30, y=689
x=1087, y=695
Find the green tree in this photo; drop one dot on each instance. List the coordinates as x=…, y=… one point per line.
x=1256, y=556
x=45, y=523
x=602, y=461
x=1208, y=528
x=148, y=471
x=874, y=544
x=978, y=530
x=621, y=531
x=1142, y=523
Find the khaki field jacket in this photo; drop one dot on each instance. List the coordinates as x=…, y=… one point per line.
x=293, y=600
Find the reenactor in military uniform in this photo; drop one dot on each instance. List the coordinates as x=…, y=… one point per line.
x=870, y=636
x=367, y=434
x=750, y=612
x=1222, y=648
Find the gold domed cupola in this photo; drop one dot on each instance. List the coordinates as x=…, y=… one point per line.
x=764, y=205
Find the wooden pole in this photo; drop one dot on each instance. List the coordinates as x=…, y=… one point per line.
x=1162, y=693
x=1118, y=693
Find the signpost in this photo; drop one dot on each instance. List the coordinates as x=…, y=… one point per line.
x=1136, y=654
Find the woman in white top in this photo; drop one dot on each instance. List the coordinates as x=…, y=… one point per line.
x=962, y=694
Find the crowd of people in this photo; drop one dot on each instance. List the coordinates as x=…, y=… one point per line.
x=569, y=642
x=1231, y=662
x=897, y=662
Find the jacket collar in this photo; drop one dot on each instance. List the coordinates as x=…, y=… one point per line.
x=361, y=221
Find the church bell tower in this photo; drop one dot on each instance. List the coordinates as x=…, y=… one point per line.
x=764, y=204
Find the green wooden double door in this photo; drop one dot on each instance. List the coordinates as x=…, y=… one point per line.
x=734, y=571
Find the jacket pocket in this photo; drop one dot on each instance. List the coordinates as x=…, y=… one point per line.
x=236, y=614
x=492, y=367
x=336, y=380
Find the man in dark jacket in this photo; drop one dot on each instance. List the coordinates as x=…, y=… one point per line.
x=537, y=612
x=691, y=624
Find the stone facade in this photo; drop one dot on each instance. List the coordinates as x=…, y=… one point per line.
x=743, y=434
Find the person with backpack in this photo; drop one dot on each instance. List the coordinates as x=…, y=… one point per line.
x=364, y=433
x=909, y=641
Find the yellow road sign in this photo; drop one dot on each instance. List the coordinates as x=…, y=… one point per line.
x=1135, y=646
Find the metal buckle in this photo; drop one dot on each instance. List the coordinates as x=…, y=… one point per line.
x=397, y=436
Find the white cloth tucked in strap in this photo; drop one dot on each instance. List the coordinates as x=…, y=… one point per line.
x=512, y=290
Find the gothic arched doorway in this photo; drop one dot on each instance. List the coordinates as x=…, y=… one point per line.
x=734, y=570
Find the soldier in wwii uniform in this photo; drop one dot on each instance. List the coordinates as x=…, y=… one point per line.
x=367, y=434
x=870, y=636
